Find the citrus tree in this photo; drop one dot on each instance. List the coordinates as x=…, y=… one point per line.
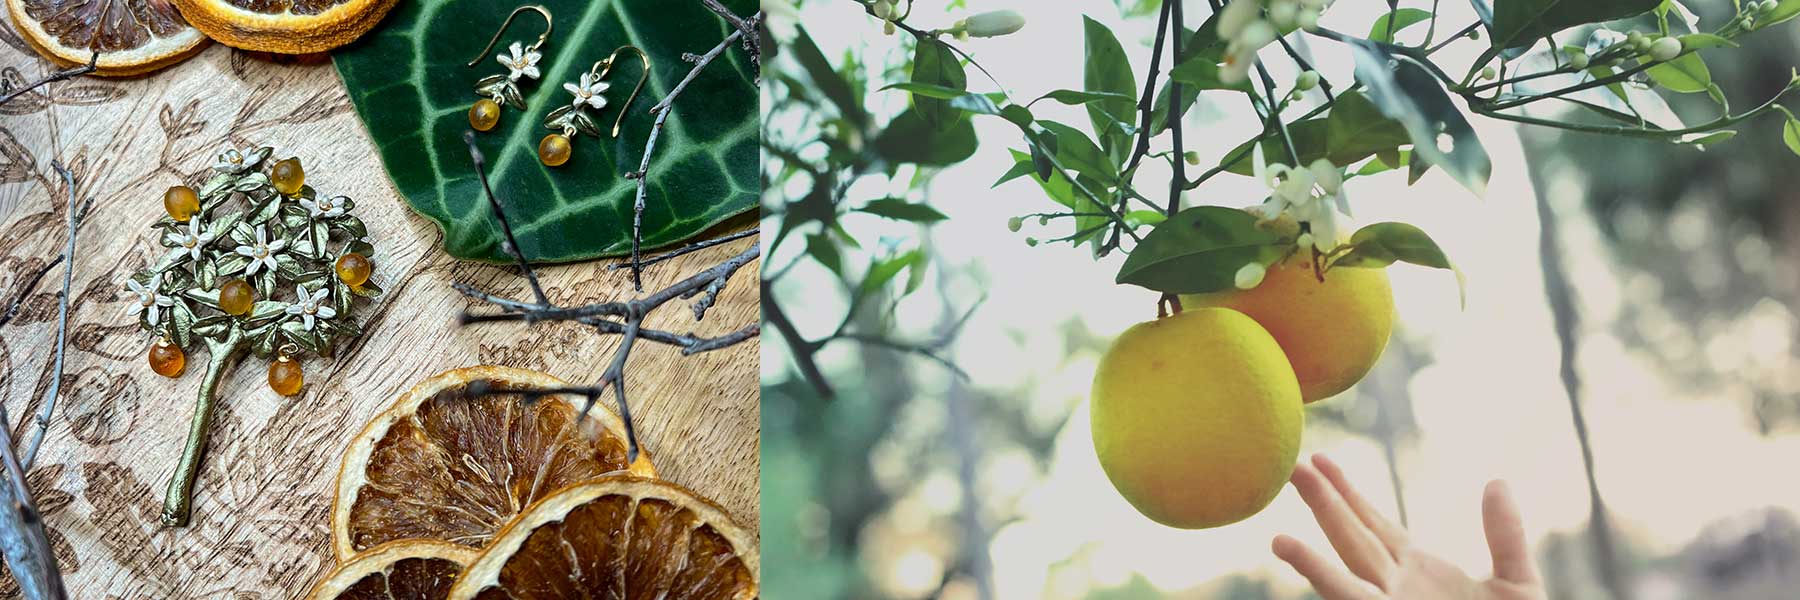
x=1608, y=68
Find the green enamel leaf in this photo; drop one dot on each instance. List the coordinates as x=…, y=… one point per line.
x=409, y=85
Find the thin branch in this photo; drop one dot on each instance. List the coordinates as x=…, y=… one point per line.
x=690, y=248
x=661, y=110
x=12, y=310
x=76, y=216
x=511, y=245
x=1145, y=102
x=63, y=75
x=1179, y=180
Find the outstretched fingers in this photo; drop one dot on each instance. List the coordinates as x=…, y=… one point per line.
x=1360, y=549
x=1506, y=535
x=1391, y=534
x=1331, y=582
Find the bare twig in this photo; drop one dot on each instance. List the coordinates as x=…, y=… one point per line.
x=661, y=110
x=63, y=75
x=511, y=245
x=689, y=249
x=12, y=310
x=62, y=318
x=22, y=537
x=631, y=313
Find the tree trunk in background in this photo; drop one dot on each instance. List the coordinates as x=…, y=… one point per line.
x=1567, y=321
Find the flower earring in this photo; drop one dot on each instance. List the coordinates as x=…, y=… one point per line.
x=520, y=61
x=573, y=119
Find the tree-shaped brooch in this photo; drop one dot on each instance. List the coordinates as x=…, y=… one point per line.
x=254, y=261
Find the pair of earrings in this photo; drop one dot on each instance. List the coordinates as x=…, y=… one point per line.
x=569, y=121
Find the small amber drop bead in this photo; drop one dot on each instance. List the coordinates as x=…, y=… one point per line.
x=554, y=150
x=167, y=360
x=484, y=115
x=285, y=377
x=181, y=202
x=287, y=176
x=236, y=297
x=354, y=269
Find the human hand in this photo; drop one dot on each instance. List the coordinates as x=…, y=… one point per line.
x=1384, y=563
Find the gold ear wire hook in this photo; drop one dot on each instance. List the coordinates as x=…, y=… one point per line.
x=548, y=24
x=645, y=76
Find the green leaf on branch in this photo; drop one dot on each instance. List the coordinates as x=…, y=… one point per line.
x=935, y=64
x=1383, y=244
x=1687, y=74
x=408, y=85
x=1199, y=250
x=1787, y=9
x=1159, y=112
x=927, y=90
x=1057, y=185
x=826, y=79
x=901, y=210
x=1401, y=19
x=1701, y=41
x=883, y=271
x=1406, y=92
x=1077, y=98
x=821, y=248
x=910, y=139
x=1107, y=70
x=1790, y=133
x=1075, y=151
x=1519, y=23
x=1704, y=140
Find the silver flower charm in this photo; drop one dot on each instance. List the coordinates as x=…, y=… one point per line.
x=326, y=208
x=195, y=238
x=309, y=307
x=263, y=253
x=522, y=62
x=588, y=91
x=150, y=299
x=233, y=162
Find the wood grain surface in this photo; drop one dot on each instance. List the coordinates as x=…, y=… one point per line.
x=261, y=509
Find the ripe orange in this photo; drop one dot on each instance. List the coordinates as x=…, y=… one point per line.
x=1333, y=331
x=442, y=465
x=1197, y=417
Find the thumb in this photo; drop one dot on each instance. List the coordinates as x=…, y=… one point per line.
x=1506, y=535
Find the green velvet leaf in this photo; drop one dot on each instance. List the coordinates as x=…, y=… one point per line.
x=410, y=87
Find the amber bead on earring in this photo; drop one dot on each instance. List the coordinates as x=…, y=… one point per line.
x=236, y=297
x=285, y=376
x=181, y=202
x=288, y=176
x=167, y=359
x=484, y=115
x=554, y=150
x=354, y=269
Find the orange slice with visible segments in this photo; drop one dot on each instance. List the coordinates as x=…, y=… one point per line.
x=132, y=36
x=441, y=464
x=614, y=535
x=399, y=570
x=285, y=26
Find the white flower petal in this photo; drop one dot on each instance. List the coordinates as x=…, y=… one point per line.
x=250, y=269
x=326, y=312
x=165, y=301
x=153, y=316
x=246, y=251
x=572, y=89
x=531, y=71
x=294, y=309
x=308, y=318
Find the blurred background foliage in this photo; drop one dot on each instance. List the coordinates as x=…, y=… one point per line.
x=888, y=475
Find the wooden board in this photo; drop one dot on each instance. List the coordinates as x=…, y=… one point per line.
x=261, y=513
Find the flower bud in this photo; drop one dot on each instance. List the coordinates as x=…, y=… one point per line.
x=1014, y=224
x=1251, y=275
x=1304, y=241
x=1579, y=60
x=1308, y=20
x=1474, y=34
x=1043, y=220
x=996, y=23
x=1666, y=48
x=1487, y=73
x=887, y=28
x=1192, y=157
x=1256, y=35
x=1307, y=80
x=1033, y=242
x=883, y=10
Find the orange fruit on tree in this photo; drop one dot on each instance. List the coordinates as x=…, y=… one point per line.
x=285, y=27
x=1333, y=330
x=443, y=464
x=397, y=570
x=1196, y=417
x=616, y=534
x=131, y=37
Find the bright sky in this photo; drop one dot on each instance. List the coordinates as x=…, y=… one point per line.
x=1490, y=406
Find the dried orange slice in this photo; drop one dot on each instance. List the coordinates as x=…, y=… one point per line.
x=284, y=26
x=614, y=535
x=440, y=464
x=132, y=36
x=398, y=570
